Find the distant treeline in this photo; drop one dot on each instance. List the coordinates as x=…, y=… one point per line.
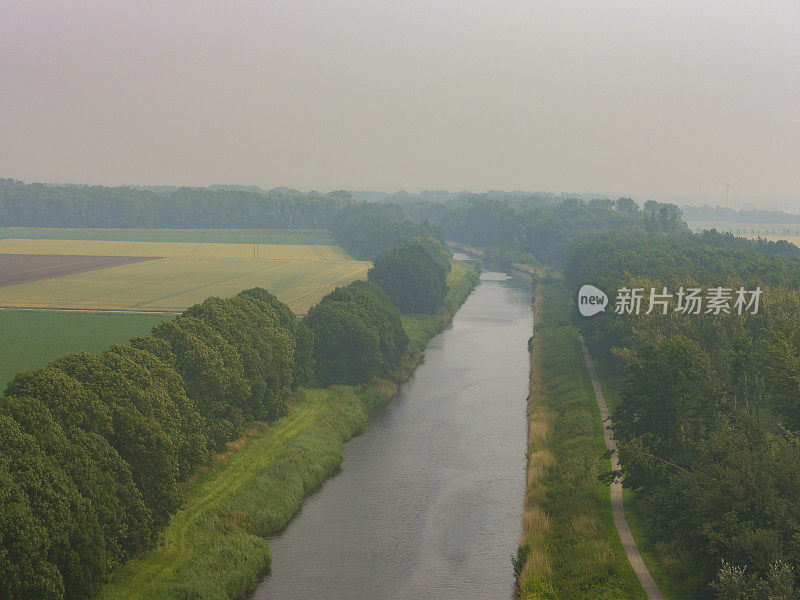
x=40, y=205
x=93, y=447
x=367, y=229
x=363, y=229
x=536, y=224
x=545, y=232
x=709, y=419
x=515, y=232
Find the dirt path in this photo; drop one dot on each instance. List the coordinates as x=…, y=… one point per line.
x=617, y=510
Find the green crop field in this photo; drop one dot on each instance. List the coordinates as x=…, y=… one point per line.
x=30, y=339
x=229, y=236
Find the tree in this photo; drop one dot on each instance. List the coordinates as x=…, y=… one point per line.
x=212, y=370
x=63, y=521
x=98, y=472
x=413, y=273
x=358, y=334
x=669, y=400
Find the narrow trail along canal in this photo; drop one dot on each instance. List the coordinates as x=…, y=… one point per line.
x=429, y=498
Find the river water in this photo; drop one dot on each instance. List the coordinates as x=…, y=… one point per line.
x=428, y=502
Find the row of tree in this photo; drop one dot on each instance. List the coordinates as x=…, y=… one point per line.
x=41, y=205
x=357, y=328
x=94, y=446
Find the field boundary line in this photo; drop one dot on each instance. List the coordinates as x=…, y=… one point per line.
x=194, y=250
x=89, y=310
x=617, y=510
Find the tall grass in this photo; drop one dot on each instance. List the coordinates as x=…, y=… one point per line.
x=214, y=547
x=569, y=547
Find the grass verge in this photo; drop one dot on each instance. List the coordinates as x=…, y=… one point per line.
x=214, y=546
x=569, y=547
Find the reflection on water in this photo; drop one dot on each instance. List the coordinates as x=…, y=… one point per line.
x=429, y=498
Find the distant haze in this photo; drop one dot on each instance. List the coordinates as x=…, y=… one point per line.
x=659, y=99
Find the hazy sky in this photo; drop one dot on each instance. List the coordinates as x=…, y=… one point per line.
x=618, y=97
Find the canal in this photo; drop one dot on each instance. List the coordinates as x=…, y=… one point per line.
x=428, y=501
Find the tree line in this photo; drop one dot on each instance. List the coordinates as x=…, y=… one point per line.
x=547, y=231
x=42, y=205
x=94, y=447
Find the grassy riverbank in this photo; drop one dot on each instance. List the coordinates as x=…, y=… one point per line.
x=214, y=546
x=569, y=547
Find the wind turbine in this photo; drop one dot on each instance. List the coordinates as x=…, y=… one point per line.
x=729, y=191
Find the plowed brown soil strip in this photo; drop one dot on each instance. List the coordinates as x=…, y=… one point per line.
x=21, y=268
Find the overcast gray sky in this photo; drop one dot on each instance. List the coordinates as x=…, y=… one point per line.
x=618, y=97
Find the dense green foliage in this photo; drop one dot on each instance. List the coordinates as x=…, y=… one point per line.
x=413, y=273
x=718, y=480
x=546, y=231
x=358, y=334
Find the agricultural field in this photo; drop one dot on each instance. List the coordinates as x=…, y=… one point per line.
x=171, y=285
x=290, y=252
x=792, y=239
x=178, y=275
x=219, y=236
x=769, y=230
x=30, y=339
x=20, y=268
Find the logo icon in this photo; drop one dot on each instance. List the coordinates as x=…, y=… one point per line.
x=591, y=300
